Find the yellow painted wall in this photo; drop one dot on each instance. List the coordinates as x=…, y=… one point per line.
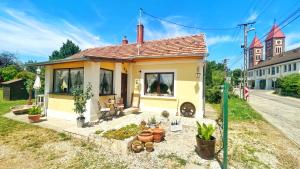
x=67, y=65
x=186, y=84
x=61, y=103
x=187, y=87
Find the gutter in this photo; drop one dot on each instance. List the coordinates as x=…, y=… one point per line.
x=96, y=58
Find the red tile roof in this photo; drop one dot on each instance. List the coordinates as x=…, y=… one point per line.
x=275, y=33
x=181, y=46
x=256, y=43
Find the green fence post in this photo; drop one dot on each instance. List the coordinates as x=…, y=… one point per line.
x=225, y=125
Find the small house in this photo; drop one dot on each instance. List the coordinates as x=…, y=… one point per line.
x=166, y=75
x=14, y=90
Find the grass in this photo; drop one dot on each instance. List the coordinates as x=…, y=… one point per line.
x=179, y=162
x=123, y=133
x=238, y=110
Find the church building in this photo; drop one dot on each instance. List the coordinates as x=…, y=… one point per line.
x=276, y=63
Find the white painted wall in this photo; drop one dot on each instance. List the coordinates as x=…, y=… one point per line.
x=92, y=76
x=118, y=79
x=269, y=77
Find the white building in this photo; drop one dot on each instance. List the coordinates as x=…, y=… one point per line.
x=262, y=74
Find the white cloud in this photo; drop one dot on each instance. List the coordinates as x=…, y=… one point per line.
x=252, y=17
x=292, y=40
x=167, y=31
x=27, y=35
x=218, y=39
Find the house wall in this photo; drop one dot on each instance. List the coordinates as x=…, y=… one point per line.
x=269, y=77
x=186, y=86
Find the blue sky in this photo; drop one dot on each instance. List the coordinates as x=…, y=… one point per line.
x=33, y=29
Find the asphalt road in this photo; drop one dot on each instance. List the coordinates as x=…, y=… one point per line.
x=282, y=112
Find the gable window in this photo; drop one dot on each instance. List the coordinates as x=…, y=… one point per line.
x=278, y=42
x=65, y=80
x=159, y=84
x=295, y=66
x=106, y=82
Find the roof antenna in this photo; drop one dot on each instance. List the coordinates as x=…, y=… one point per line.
x=140, y=18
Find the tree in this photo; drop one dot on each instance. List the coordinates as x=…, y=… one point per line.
x=7, y=58
x=214, y=78
x=67, y=49
x=236, y=74
x=8, y=72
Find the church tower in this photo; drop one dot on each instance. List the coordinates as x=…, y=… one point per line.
x=255, y=52
x=275, y=42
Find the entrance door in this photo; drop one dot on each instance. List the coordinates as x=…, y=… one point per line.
x=124, y=88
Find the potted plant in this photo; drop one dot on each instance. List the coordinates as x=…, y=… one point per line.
x=205, y=141
x=152, y=122
x=80, y=99
x=34, y=114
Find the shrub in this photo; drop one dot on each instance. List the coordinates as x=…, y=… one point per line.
x=123, y=133
x=213, y=95
x=290, y=85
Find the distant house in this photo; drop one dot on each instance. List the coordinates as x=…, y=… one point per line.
x=14, y=90
x=262, y=74
x=163, y=73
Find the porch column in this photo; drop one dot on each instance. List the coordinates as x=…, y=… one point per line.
x=129, y=84
x=48, y=85
x=92, y=76
x=118, y=79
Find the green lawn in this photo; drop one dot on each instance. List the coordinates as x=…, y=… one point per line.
x=239, y=110
x=6, y=105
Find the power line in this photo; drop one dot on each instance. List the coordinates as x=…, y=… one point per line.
x=284, y=21
x=186, y=26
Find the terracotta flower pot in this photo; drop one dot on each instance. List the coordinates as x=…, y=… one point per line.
x=34, y=118
x=145, y=136
x=158, y=134
x=206, y=149
x=137, y=146
x=149, y=146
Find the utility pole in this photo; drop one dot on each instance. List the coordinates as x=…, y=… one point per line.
x=245, y=47
x=225, y=67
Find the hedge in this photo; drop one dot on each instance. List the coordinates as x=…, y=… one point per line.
x=289, y=85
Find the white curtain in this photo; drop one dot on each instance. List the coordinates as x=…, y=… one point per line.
x=168, y=80
x=150, y=79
